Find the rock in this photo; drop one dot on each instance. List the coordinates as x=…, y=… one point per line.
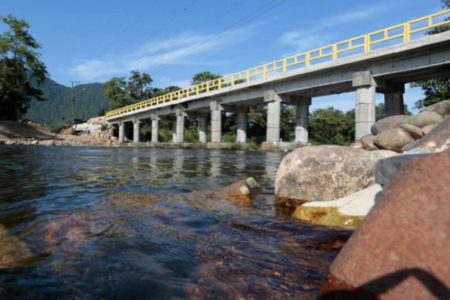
x=425, y=118
x=321, y=173
x=13, y=251
x=414, y=131
x=393, y=139
x=241, y=192
x=389, y=123
x=427, y=129
x=442, y=108
x=435, y=139
x=401, y=249
x=347, y=212
x=367, y=142
x=385, y=169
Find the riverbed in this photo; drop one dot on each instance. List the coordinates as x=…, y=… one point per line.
x=119, y=223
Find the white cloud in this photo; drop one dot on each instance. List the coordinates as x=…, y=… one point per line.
x=310, y=38
x=172, y=51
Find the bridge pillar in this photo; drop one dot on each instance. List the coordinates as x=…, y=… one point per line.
x=302, y=114
x=365, y=103
x=273, y=115
x=136, y=133
x=202, y=127
x=155, y=129
x=393, y=100
x=241, y=136
x=178, y=134
x=121, y=132
x=216, y=122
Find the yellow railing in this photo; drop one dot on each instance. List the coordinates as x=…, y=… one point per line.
x=401, y=33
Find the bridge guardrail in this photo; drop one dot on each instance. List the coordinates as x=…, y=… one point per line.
x=397, y=34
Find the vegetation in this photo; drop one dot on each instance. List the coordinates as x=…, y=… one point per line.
x=20, y=69
x=122, y=92
x=204, y=76
x=435, y=90
x=56, y=111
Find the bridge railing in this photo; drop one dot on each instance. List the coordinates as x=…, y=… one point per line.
x=397, y=34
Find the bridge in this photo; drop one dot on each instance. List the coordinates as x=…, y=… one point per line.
x=382, y=61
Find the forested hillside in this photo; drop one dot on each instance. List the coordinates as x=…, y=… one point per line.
x=56, y=110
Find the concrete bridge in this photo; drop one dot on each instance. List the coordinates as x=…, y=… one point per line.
x=382, y=61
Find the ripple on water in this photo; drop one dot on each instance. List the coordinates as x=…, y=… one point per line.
x=120, y=223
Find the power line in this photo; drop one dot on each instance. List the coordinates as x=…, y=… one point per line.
x=243, y=21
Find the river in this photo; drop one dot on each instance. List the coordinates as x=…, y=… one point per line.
x=119, y=223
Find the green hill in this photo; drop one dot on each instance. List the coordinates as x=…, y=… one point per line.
x=56, y=110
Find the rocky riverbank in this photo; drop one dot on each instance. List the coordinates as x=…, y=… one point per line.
x=91, y=133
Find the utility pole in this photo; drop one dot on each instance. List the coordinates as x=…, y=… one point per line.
x=72, y=99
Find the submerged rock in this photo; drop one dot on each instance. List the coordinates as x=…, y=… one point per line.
x=401, y=250
x=346, y=212
x=13, y=251
x=323, y=173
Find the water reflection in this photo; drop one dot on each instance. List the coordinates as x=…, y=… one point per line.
x=122, y=223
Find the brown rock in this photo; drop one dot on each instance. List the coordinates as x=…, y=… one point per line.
x=401, y=249
x=427, y=129
x=367, y=142
x=436, y=138
x=320, y=173
x=414, y=131
x=393, y=139
x=389, y=123
x=425, y=118
x=13, y=251
x=442, y=108
x=241, y=192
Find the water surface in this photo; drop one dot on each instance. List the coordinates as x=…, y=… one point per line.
x=119, y=223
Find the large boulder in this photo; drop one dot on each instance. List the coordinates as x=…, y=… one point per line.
x=385, y=169
x=367, y=142
x=442, y=108
x=346, y=212
x=435, y=139
x=322, y=173
x=390, y=123
x=401, y=249
x=393, y=139
x=414, y=131
x=425, y=118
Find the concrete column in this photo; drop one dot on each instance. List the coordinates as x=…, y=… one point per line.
x=216, y=122
x=155, y=129
x=121, y=132
x=393, y=100
x=178, y=136
x=241, y=136
x=273, y=115
x=136, y=133
x=302, y=113
x=202, y=127
x=365, y=103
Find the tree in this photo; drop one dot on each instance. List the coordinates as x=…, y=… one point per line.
x=332, y=126
x=204, y=76
x=435, y=90
x=20, y=69
x=122, y=92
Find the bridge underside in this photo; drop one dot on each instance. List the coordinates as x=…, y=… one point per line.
x=384, y=71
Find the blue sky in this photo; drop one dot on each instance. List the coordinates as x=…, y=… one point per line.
x=91, y=41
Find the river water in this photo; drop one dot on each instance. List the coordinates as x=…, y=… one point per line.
x=119, y=223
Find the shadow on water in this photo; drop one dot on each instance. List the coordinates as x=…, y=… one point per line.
x=122, y=223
